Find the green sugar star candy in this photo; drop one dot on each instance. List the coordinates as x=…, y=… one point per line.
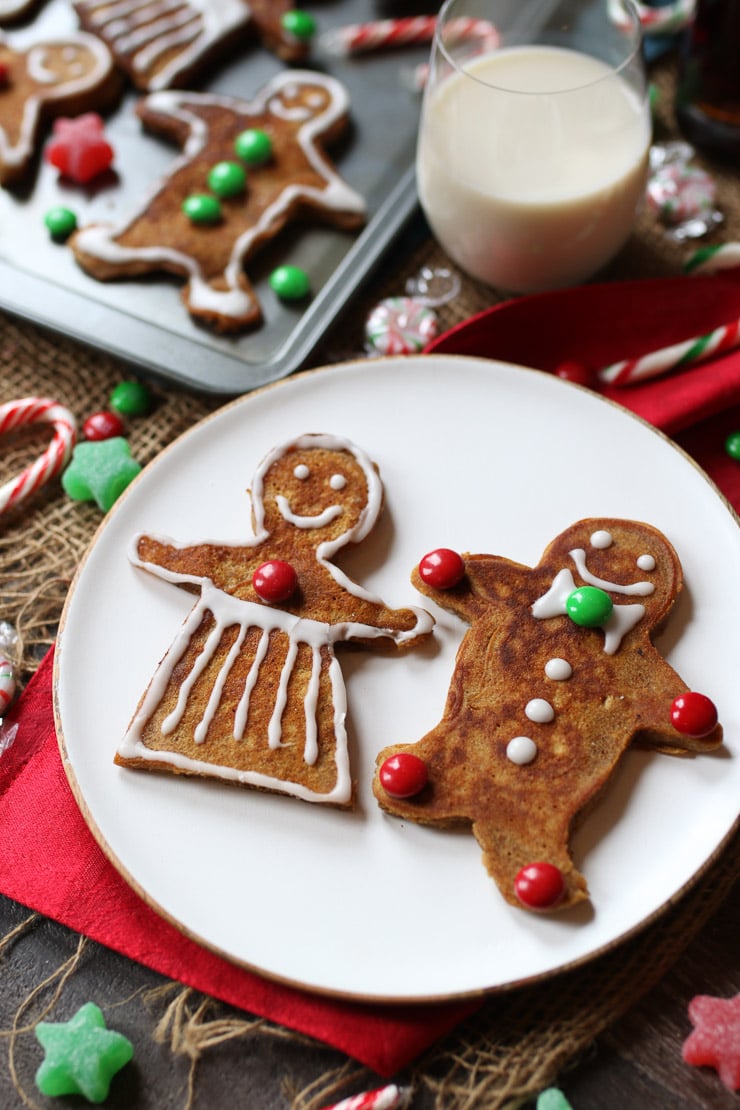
x=589, y=606
x=100, y=471
x=81, y=1055
x=552, y=1099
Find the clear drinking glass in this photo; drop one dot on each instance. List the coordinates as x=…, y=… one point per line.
x=535, y=130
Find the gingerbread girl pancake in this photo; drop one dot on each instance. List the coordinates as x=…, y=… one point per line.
x=556, y=676
x=296, y=114
x=163, y=45
x=251, y=690
x=65, y=75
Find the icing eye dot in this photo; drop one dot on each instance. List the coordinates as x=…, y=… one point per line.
x=521, y=750
x=646, y=562
x=559, y=670
x=539, y=711
x=337, y=481
x=540, y=886
x=589, y=606
x=302, y=472
x=601, y=539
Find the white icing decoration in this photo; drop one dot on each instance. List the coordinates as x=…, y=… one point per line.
x=100, y=241
x=646, y=562
x=193, y=26
x=319, y=520
x=559, y=670
x=601, y=539
x=301, y=472
x=229, y=611
x=539, y=711
x=521, y=750
x=622, y=619
x=337, y=481
x=639, y=589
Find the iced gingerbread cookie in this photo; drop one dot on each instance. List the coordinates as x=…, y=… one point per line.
x=251, y=690
x=166, y=44
x=554, y=679
x=59, y=76
x=247, y=169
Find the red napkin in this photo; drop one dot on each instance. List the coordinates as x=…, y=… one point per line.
x=50, y=861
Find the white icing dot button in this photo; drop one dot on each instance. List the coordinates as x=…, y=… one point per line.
x=521, y=750
x=646, y=562
x=601, y=539
x=540, y=711
x=559, y=670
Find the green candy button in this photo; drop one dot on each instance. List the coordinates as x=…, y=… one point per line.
x=60, y=222
x=290, y=283
x=227, y=179
x=299, y=24
x=732, y=445
x=589, y=606
x=131, y=398
x=253, y=146
x=202, y=209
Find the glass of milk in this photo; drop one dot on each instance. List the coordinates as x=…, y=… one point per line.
x=533, y=144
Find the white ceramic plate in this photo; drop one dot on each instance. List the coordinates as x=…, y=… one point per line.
x=474, y=455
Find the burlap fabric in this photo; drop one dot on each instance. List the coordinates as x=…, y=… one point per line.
x=519, y=1042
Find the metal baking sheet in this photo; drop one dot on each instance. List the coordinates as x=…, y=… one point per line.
x=144, y=322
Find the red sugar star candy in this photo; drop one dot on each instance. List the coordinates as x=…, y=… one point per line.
x=79, y=149
x=715, y=1042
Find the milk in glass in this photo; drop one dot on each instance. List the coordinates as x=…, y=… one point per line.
x=531, y=165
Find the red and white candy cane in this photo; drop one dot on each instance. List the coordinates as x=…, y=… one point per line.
x=633, y=370
x=655, y=21
x=384, y=1098
x=37, y=410
x=361, y=38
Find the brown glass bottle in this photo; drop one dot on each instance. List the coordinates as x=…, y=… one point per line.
x=708, y=94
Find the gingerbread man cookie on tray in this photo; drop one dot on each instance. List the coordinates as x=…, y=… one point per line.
x=555, y=678
x=68, y=75
x=296, y=115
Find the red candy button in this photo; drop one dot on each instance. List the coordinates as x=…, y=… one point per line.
x=275, y=580
x=540, y=886
x=572, y=371
x=403, y=775
x=693, y=714
x=103, y=425
x=442, y=569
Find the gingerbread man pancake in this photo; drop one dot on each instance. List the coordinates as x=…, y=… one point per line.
x=164, y=45
x=251, y=691
x=298, y=113
x=65, y=75
x=555, y=678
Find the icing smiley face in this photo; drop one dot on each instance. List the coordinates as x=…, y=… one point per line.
x=319, y=484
